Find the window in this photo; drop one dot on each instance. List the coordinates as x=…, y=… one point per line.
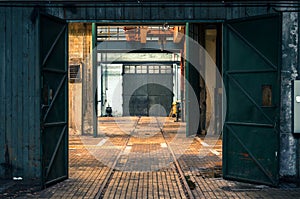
x=129, y=69
x=165, y=69
x=141, y=69
x=153, y=69
x=148, y=69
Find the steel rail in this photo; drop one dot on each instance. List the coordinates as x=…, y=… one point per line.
x=177, y=165
x=108, y=177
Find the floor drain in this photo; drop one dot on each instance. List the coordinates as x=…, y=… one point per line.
x=190, y=183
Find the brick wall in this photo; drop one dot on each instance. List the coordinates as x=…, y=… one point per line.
x=80, y=41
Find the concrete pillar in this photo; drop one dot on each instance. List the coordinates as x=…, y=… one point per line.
x=288, y=141
x=89, y=84
x=88, y=98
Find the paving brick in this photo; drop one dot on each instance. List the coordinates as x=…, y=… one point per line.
x=145, y=168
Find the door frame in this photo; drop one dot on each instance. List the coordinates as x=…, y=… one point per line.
x=186, y=24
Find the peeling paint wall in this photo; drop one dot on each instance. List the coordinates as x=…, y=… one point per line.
x=288, y=141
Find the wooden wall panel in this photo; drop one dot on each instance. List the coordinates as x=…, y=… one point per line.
x=2, y=93
x=19, y=95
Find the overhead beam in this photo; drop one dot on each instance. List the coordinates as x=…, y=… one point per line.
x=140, y=62
x=178, y=34
x=123, y=46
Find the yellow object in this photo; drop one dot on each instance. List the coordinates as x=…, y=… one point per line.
x=174, y=108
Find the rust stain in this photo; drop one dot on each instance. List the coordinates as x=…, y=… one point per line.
x=246, y=155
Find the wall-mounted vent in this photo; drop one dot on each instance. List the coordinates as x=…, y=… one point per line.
x=74, y=73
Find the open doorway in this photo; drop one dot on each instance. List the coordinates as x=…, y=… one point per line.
x=138, y=67
x=239, y=68
x=127, y=60
x=141, y=91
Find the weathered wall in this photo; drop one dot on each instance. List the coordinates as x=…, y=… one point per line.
x=19, y=95
x=290, y=53
x=80, y=38
x=20, y=82
x=75, y=108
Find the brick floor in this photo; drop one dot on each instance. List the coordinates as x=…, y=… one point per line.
x=131, y=158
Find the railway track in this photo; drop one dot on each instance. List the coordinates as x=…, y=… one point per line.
x=145, y=131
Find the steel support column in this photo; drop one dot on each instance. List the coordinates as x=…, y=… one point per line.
x=94, y=75
x=186, y=71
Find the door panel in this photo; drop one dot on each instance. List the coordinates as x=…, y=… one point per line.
x=138, y=105
x=141, y=92
x=54, y=98
x=252, y=81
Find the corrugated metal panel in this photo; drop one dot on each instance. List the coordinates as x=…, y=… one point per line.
x=19, y=89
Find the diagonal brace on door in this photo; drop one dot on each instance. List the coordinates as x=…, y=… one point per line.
x=56, y=150
x=250, y=98
x=252, y=47
x=55, y=96
x=54, y=44
x=250, y=154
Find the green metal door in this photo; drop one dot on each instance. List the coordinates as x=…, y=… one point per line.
x=252, y=81
x=54, y=98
